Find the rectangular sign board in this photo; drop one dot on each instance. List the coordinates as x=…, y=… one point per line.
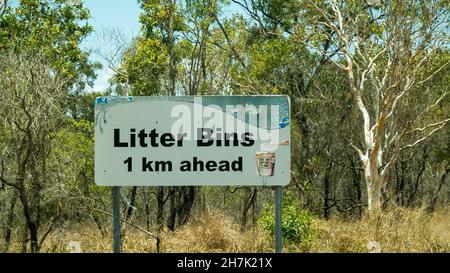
x=192, y=140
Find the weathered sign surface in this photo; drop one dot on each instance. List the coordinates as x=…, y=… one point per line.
x=192, y=140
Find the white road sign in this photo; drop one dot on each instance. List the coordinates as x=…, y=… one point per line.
x=192, y=140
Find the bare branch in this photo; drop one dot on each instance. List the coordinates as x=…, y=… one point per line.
x=442, y=124
x=429, y=126
x=49, y=229
x=230, y=44
x=434, y=73
x=360, y=153
x=437, y=101
x=3, y=179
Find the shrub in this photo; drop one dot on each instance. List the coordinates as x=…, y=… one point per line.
x=296, y=224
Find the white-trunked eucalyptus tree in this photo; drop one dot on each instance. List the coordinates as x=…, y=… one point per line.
x=390, y=51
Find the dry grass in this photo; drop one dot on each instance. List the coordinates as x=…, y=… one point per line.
x=215, y=233
x=210, y=233
x=399, y=230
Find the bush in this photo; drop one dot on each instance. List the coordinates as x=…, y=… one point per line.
x=296, y=224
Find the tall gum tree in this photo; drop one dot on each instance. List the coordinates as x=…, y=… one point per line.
x=389, y=50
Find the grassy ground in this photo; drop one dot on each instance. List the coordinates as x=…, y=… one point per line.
x=400, y=230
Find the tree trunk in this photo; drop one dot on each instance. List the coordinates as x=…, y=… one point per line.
x=205, y=202
x=416, y=184
x=441, y=183
x=9, y=222
x=159, y=217
x=34, y=243
x=400, y=187
x=326, y=192
x=247, y=204
x=172, y=211
x=87, y=194
x=357, y=185
x=170, y=32
x=181, y=202
x=24, y=239
x=30, y=210
x=374, y=182
x=147, y=200
x=224, y=197
x=185, y=203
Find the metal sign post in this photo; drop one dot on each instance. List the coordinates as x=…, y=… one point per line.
x=116, y=219
x=278, y=210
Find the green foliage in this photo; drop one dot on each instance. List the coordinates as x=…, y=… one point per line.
x=52, y=27
x=82, y=105
x=155, y=18
x=144, y=64
x=297, y=224
x=73, y=164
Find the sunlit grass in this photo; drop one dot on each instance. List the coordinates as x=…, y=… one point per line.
x=399, y=230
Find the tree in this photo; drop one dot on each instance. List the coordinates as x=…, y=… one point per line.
x=3, y=7
x=73, y=146
x=384, y=50
x=55, y=29
x=49, y=34
x=31, y=104
x=152, y=55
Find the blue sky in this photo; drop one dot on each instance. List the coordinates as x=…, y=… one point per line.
x=112, y=13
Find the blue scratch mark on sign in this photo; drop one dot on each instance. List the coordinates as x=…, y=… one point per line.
x=104, y=104
x=114, y=100
x=283, y=124
x=284, y=116
x=100, y=100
